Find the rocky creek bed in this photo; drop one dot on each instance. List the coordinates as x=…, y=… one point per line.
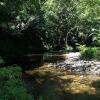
x=74, y=64
x=51, y=80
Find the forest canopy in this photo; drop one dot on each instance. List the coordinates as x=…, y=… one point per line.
x=55, y=44
x=50, y=24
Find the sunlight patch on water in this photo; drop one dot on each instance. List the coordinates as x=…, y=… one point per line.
x=52, y=81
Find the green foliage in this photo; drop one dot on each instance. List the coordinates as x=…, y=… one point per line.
x=40, y=98
x=90, y=53
x=56, y=23
x=61, y=18
x=21, y=21
x=66, y=19
x=98, y=53
x=11, y=85
x=15, y=14
x=96, y=38
x=81, y=47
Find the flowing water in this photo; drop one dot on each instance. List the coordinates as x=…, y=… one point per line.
x=62, y=76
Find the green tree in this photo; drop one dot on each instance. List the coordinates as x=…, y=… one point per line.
x=67, y=19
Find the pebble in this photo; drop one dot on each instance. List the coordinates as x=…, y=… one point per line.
x=79, y=66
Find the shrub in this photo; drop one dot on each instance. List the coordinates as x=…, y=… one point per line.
x=89, y=53
x=98, y=53
x=11, y=85
x=81, y=47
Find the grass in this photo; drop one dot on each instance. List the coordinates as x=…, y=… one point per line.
x=55, y=84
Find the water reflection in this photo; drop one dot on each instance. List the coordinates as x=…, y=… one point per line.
x=53, y=57
x=31, y=61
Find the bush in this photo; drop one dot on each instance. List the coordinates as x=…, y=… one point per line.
x=11, y=85
x=81, y=47
x=98, y=53
x=90, y=53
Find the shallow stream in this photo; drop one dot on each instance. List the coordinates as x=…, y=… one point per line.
x=63, y=76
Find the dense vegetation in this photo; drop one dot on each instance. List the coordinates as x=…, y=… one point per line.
x=90, y=53
x=36, y=26
x=11, y=84
x=48, y=24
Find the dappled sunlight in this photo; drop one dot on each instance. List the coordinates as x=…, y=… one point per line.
x=80, y=83
x=56, y=83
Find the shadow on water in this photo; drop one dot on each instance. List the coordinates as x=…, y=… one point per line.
x=96, y=84
x=53, y=57
x=27, y=62
x=31, y=61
